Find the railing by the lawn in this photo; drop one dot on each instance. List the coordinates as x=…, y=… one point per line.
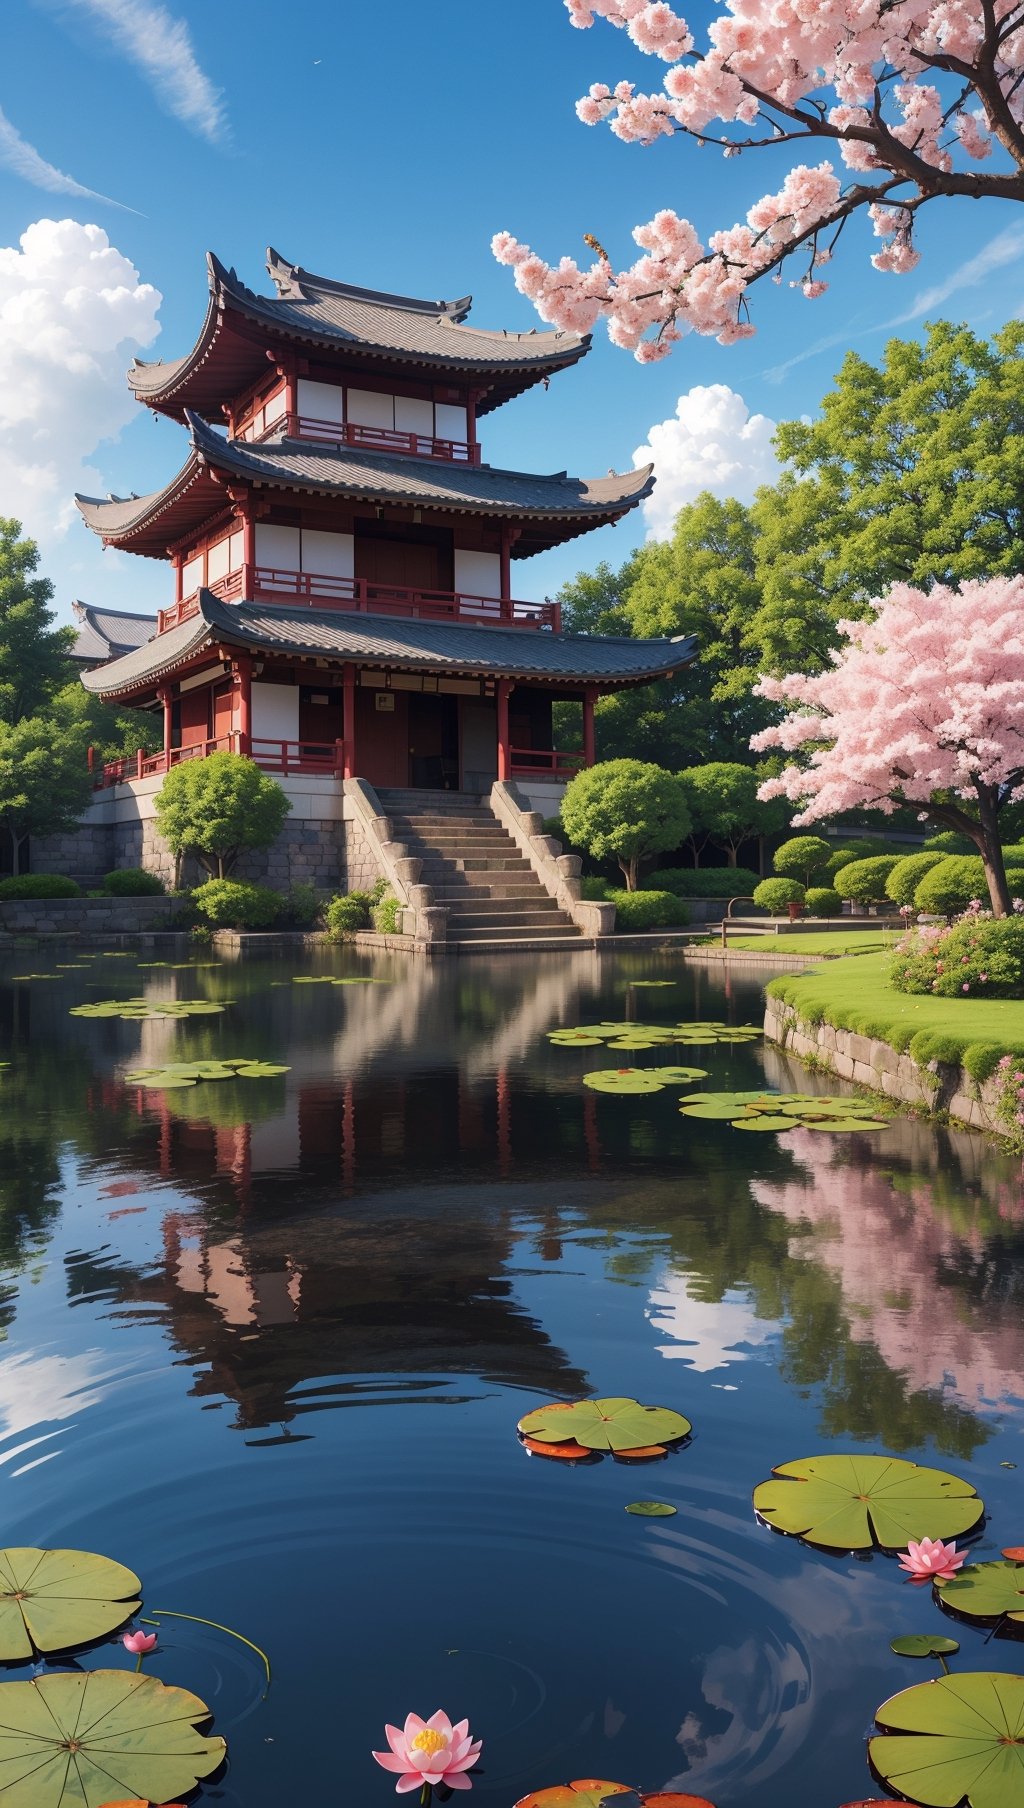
x=546, y=762
x=324, y=757
x=322, y=590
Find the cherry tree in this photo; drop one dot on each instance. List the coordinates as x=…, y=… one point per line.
x=923, y=705
x=911, y=95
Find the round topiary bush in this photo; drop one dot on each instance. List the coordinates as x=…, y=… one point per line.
x=802, y=857
x=823, y=901
x=132, y=882
x=39, y=885
x=348, y=913
x=902, y=883
x=638, y=910
x=776, y=895
x=864, y=880
x=978, y=957
x=949, y=887
x=231, y=904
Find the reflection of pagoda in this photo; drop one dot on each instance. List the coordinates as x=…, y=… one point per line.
x=342, y=554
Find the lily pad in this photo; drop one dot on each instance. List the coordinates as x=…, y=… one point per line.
x=722, y=1105
x=68, y=1740
x=55, y=1600
x=923, y=1644
x=591, y=1792
x=143, y=1009
x=987, y=1591
x=652, y=1509
x=762, y=1120
x=193, y=1073
x=958, y=1739
x=651, y=982
x=779, y=1112
x=615, y=1424
x=640, y=1079
x=850, y=1503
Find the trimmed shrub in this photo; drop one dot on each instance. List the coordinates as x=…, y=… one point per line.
x=703, y=881
x=950, y=886
x=302, y=904
x=864, y=880
x=803, y=857
x=132, y=882
x=348, y=913
x=637, y=910
x=384, y=915
x=1014, y=854
x=867, y=847
x=978, y=957
x=39, y=885
x=949, y=841
x=776, y=895
x=902, y=883
x=595, y=890
x=231, y=904
x=823, y=901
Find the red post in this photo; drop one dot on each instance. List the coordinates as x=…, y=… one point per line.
x=245, y=512
x=165, y=698
x=242, y=670
x=504, y=746
x=348, y=719
x=90, y=759
x=589, y=696
x=139, y=760
x=506, y=570
x=179, y=568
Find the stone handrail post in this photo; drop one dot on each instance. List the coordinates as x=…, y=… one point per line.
x=558, y=873
x=429, y=921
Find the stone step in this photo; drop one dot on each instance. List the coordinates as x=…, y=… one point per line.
x=495, y=888
x=508, y=938
x=477, y=834
x=470, y=863
x=450, y=803
x=515, y=910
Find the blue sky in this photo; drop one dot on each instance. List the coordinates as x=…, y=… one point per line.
x=384, y=145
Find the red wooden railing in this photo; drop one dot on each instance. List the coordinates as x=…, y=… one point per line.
x=378, y=439
x=274, y=756
x=553, y=762
x=321, y=590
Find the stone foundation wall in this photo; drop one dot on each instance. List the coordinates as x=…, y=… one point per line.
x=68, y=917
x=83, y=853
x=362, y=861
x=942, y=1086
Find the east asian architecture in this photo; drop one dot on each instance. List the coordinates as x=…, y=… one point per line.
x=342, y=603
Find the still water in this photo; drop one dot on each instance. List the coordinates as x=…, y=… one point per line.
x=268, y=1344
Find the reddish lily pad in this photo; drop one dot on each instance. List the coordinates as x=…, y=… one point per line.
x=616, y=1423
x=590, y=1792
x=566, y=1453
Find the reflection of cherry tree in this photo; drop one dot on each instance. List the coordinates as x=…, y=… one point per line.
x=896, y=1254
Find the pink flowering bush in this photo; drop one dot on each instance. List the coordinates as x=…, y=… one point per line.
x=909, y=95
x=1010, y=1102
x=979, y=956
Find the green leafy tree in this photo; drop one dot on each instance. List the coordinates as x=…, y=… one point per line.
x=595, y=602
x=912, y=472
x=803, y=857
x=44, y=779
x=625, y=810
x=725, y=808
x=215, y=808
x=34, y=662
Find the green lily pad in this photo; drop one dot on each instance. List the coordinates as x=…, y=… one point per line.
x=850, y=1503
x=69, y=1740
x=923, y=1644
x=651, y=1509
x=361, y=979
x=617, y=1424
x=312, y=979
x=56, y=1600
x=784, y=1111
x=622, y=1079
x=143, y=1009
x=958, y=1739
x=651, y=982
x=762, y=1120
x=193, y=1073
x=722, y=1105
x=987, y=1591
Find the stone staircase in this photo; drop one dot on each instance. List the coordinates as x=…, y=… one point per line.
x=489, y=889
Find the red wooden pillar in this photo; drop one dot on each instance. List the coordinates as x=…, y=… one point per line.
x=179, y=567
x=504, y=745
x=589, y=698
x=241, y=668
x=505, y=582
x=246, y=514
x=165, y=696
x=348, y=718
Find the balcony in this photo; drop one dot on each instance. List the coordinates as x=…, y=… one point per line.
x=367, y=439
x=284, y=757
x=318, y=590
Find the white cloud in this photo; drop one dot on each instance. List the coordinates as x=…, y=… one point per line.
x=706, y=1334
x=72, y=313
x=160, y=46
x=712, y=442
x=23, y=159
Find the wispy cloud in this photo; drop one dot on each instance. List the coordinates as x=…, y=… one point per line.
x=1005, y=248
x=22, y=158
x=160, y=46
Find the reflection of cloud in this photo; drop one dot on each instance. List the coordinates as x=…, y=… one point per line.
x=38, y=1390
x=706, y=1334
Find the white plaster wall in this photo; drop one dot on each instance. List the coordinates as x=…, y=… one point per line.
x=275, y=712
x=278, y=546
x=319, y=401
x=333, y=555
x=478, y=573
x=451, y=421
x=414, y=415
x=368, y=408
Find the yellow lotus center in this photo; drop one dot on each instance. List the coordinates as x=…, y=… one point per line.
x=428, y=1741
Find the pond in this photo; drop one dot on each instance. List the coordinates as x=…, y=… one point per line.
x=267, y=1342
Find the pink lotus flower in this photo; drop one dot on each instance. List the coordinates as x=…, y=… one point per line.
x=428, y=1752
x=932, y=1561
x=140, y=1644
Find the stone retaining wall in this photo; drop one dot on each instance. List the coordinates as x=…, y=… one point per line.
x=941, y=1087
x=69, y=917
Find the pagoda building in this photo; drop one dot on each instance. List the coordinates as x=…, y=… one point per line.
x=343, y=599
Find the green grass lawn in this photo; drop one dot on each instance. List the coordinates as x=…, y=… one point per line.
x=853, y=995
x=824, y=941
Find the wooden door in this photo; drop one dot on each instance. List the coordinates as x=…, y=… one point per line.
x=321, y=715
x=223, y=712
x=402, y=564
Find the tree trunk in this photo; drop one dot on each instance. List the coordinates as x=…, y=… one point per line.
x=991, y=852
x=629, y=871
x=730, y=855
x=15, y=850
x=220, y=866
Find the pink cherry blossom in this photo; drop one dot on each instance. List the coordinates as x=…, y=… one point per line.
x=931, y=1560
x=924, y=705
x=430, y=1752
x=756, y=85
x=139, y=1643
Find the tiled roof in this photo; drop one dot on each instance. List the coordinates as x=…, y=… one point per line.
x=106, y=633
x=373, y=640
x=343, y=317
x=376, y=476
